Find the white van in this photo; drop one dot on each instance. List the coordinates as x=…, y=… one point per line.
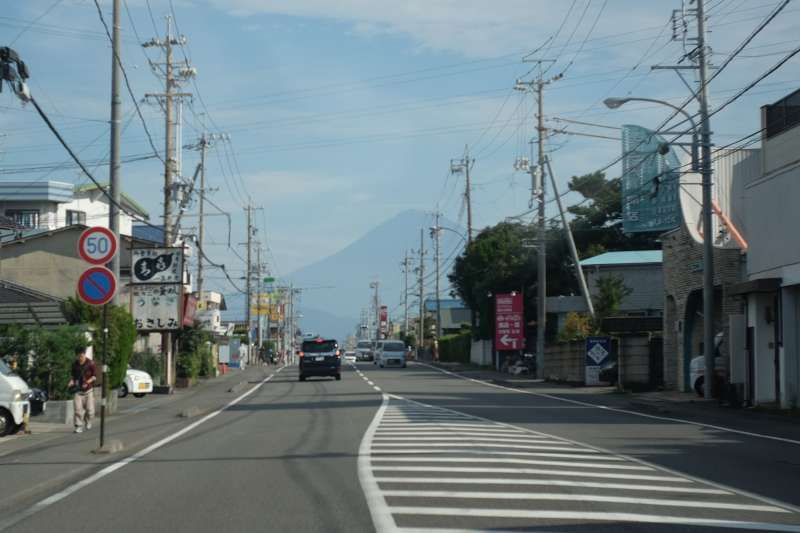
x=14, y=404
x=392, y=353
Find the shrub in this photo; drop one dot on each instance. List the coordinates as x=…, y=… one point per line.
x=147, y=361
x=455, y=348
x=576, y=327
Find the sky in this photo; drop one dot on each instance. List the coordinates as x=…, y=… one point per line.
x=336, y=115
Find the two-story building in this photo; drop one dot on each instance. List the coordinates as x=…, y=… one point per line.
x=51, y=205
x=769, y=366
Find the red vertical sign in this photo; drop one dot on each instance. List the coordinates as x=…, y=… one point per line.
x=384, y=318
x=509, y=328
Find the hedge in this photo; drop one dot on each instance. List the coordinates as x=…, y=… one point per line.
x=455, y=348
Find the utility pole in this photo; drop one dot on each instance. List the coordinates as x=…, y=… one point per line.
x=421, y=342
x=201, y=208
x=167, y=97
x=708, y=243
x=249, y=275
x=116, y=119
x=259, y=290
x=405, y=292
x=464, y=165
x=435, y=231
x=538, y=193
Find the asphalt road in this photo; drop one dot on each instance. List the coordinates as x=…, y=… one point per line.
x=414, y=449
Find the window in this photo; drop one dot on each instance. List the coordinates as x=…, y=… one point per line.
x=783, y=114
x=28, y=218
x=75, y=217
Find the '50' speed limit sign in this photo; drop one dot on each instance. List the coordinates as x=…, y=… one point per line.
x=97, y=245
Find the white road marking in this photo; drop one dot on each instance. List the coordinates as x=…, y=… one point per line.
x=456, y=439
x=376, y=388
x=593, y=515
x=550, y=483
x=616, y=409
x=58, y=496
x=469, y=451
x=381, y=516
x=509, y=460
x=450, y=445
x=532, y=471
x=566, y=496
x=463, y=448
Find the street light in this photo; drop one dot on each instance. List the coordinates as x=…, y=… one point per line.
x=615, y=103
x=708, y=250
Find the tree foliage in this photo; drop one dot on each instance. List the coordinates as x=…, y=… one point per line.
x=121, y=334
x=611, y=291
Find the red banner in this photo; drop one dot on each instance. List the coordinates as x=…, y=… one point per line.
x=189, y=309
x=509, y=332
x=384, y=318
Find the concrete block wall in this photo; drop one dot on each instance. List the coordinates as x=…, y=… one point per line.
x=565, y=362
x=635, y=360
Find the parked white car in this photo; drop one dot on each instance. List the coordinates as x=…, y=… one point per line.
x=14, y=405
x=137, y=382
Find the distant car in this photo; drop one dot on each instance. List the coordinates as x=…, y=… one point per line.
x=697, y=370
x=320, y=357
x=364, y=351
x=137, y=382
x=350, y=356
x=376, y=353
x=391, y=353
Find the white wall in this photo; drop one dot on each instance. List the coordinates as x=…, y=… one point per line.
x=48, y=218
x=763, y=345
x=790, y=353
x=96, y=210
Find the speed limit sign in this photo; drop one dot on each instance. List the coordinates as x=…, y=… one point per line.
x=97, y=245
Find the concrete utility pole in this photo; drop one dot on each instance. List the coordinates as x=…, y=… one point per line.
x=116, y=120
x=464, y=165
x=405, y=292
x=201, y=209
x=249, y=276
x=259, y=290
x=421, y=342
x=167, y=97
x=708, y=238
x=538, y=193
x=435, y=231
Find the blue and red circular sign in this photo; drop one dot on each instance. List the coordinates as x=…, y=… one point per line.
x=97, y=286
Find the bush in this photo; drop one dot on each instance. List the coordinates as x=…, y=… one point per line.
x=121, y=335
x=194, y=357
x=147, y=361
x=44, y=357
x=576, y=327
x=455, y=348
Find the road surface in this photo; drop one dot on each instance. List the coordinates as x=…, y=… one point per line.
x=415, y=449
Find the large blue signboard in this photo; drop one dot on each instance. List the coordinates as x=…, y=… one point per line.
x=649, y=182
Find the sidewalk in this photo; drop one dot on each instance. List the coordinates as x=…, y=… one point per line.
x=668, y=405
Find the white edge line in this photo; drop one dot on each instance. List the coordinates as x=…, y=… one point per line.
x=58, y=496
x=381, y=516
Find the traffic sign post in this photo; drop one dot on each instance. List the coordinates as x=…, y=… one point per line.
x=97, y=286
x=97, y=245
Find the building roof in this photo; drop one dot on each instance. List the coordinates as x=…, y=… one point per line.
x=633, y=257
x=27, y=307
x=430, y=304
x=35, y=191
x=148, y=233
x=131, y=203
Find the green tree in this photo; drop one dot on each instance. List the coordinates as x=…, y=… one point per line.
x=611, y=291
x=597, y=221
x=121, y=334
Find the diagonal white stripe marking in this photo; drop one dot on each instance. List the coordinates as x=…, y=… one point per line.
x=534, y=471
x=509, y=460
x=581, y=498
x=457, y=439
x=449, y=445
x=549, y=483
x=597, y=516
x=423, y=451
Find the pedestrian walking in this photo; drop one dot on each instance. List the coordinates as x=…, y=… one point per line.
x=84, y=375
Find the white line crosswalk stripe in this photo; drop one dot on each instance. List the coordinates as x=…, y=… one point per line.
x=426, y=468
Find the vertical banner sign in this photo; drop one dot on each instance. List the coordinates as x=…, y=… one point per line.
x=598, y=350
x=509, y=328
x=384, y=318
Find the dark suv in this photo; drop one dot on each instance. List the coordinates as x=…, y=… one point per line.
x=320, y=357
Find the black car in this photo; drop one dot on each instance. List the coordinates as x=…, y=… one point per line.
x=320, y=357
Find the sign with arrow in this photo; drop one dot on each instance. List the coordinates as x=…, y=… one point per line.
x=509, y=322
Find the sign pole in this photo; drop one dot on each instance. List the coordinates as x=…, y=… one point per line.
x=104, y=393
